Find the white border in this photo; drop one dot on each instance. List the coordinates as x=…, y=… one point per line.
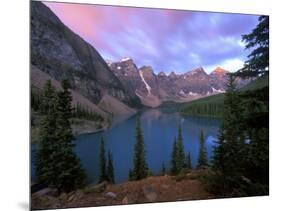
x=14, y=117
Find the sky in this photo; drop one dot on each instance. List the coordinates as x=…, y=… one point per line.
x=166, y=40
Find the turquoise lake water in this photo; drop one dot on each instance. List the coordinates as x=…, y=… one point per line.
x=159, y=129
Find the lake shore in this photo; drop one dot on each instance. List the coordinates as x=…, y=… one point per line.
x=79, y=127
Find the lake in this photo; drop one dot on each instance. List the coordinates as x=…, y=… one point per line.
x=159, y=128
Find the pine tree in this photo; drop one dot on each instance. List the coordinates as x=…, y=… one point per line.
x=174, y=160
x=103, y=175
x=163, y=169
x=219, y=152
x=202, y=158
x=140, y=170
x=232, y=110
x=48, y=98
x=188, y=164
x=242, y=147
x=181, y=154
x=35, y=99
x=57, y=165
x=227, y=162
x=70, y=175
x=110, y=168
x=178, y=155
x=48, y=139
x=233, y=128
x=64, y=112
x=258, y=60
x=131, y=175
x=256, y=104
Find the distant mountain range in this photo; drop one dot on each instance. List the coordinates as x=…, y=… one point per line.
x=58, y=52
x=153, y=89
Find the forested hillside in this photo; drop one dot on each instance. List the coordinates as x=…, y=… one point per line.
x=213, y=105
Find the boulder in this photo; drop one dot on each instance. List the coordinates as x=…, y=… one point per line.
x=110, y=195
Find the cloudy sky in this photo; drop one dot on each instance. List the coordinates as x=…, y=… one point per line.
x=167, y=40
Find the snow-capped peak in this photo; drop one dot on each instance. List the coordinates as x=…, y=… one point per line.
x=125, y=59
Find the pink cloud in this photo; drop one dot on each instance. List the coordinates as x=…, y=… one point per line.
x=156, y=35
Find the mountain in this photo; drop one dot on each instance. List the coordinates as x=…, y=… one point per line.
x=59, y=52
x=218, y=78
x=39, y=78
x=136, y=81
x=115, y=107
x=194, y=83
x=127, y=72
x=154, y=89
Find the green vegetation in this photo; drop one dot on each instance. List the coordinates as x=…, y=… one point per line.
x=103, y=176
x=86, y=113
x=110, y=168
x=36, y=98
x=179, y=161
x=171, y=105
x=259, y=83
x=174, y=160
x=188, y=164
x=213, y=106
x=83, y=119
x=208, y=106
x=163, y=169
x=79, y=111
x=258, y=60
x=106, y=166
x=240, y=164
x=180, y=152
x=131, y=175
x=140, y=169
x=202, y=158
x=57, y=165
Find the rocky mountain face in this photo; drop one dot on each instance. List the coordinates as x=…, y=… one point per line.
x=142, y=82
x=154, y=89
x=59, y=52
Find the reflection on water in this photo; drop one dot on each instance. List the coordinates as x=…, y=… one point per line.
x=159, y=129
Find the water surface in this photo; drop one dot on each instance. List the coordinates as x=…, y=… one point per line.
x=159, y=128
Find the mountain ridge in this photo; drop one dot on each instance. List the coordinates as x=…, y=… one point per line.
x=154, y=89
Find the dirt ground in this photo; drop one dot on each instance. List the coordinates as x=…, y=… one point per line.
x=152, y=189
